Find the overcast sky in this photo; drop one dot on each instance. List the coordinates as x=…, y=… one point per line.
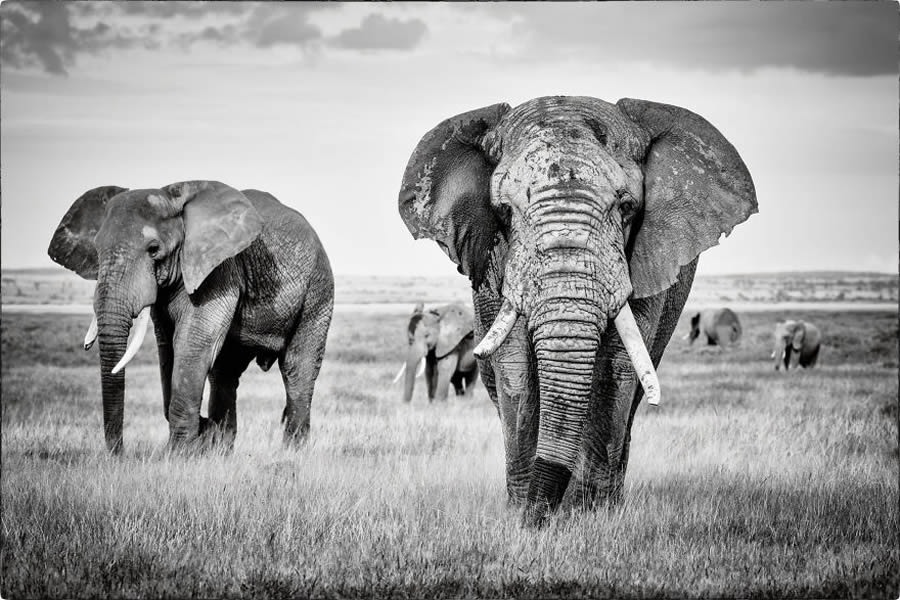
x=322, y=104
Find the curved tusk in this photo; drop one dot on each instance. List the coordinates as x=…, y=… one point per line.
x=91, y=336
x=420, y=368
x=140, y=330
x=773, y=354
x=637, y=352
x=498, y=332
x=399, y=374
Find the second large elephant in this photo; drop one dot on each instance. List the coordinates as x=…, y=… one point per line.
x=443, y=338
x=579, y=224
x=227, y=277
x=799, y=338
x=720, y=327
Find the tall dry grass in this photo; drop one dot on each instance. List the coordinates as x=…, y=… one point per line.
x=746, y=482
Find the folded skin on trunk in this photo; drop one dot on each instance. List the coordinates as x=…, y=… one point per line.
x=582, y=281
x=113, y=331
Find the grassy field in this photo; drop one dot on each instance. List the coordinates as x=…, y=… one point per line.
x=745, y=483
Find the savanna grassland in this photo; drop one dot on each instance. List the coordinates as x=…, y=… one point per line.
x=746, y=482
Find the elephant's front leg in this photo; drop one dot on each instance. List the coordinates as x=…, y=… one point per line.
x=223, y=383
x=164, y=329
x=517, y=404
x=199, y=336
x=446, y=367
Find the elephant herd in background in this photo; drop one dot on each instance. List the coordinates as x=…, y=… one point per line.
x=721, y=327
x=578, y=222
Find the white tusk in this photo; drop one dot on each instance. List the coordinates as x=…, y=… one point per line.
x=140, y=330
x=399, y=373
x=91, y=336
x=499, y=331
x=686, y=336
x=420, y=368
x=773, y=354
x=637, y=352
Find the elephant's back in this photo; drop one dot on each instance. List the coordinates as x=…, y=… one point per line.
x=287, y=229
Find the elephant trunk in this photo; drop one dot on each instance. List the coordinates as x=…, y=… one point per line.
x=118, y=299
x=566, y=341
x=113, y=325
x=582, y=282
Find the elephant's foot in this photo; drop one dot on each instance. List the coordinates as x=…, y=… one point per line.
x=295, y=437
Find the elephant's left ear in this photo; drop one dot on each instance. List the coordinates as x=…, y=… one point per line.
x=456, y=323
x=696, y=187
x=798, y=337
x=219, y=222
x=72, y=245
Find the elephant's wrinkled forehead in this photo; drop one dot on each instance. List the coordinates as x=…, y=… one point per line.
x=563, y=119
x=134, y=214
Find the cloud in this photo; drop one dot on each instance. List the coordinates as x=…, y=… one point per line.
x=42, y=34
x=53, y=35
x=834, y=38
x=379, y=32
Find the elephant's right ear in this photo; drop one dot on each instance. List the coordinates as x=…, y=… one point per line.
x=445, y=194
x=72, y=245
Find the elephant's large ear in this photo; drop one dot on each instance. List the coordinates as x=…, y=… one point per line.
x=696, y=187
x=72, y=245
x=456, y=323
x=219, y=222
x=445, y=194
x=798, y=337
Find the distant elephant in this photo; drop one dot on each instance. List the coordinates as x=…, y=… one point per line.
x=799, y=337
x=443, y=338
x=720, y=326
x=227, y=277
x=569, y=215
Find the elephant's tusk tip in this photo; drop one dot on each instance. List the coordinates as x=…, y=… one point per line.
x=88, y=345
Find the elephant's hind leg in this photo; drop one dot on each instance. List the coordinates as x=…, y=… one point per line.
x=223, y=383
x=470, y=378
x=300, y=366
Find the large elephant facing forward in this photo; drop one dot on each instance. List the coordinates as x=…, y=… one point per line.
x=227, y=277
x=796, y=337
x=569, y=214
x=720, y=327
x=443, y=338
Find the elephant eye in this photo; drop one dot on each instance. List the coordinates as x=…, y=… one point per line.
x=627, y=205
x=153, y=249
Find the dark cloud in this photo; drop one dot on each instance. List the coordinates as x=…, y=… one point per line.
x=836, y=38
x=41, y=34
x=51, y=35
x=379, y=32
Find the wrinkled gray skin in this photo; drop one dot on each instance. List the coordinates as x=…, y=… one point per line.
x=230, y=276
x=797, y=339
x=567, y=208
x=443, y=336
x=720, y=327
